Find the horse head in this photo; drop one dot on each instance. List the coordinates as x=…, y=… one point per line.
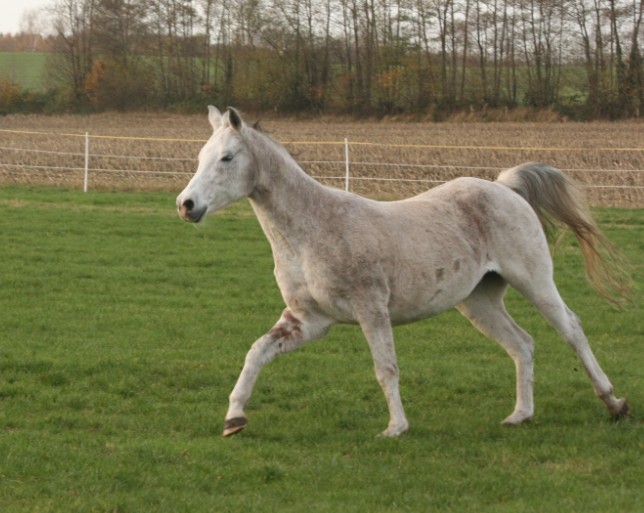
x=227, y=168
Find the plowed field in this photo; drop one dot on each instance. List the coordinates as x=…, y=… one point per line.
x=387, y=159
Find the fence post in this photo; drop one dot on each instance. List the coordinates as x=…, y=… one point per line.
x=346, y=163
x=85, y=180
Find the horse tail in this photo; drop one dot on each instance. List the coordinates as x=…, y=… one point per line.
x=559, y=202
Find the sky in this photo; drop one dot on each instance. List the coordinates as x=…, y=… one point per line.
x=11, y=13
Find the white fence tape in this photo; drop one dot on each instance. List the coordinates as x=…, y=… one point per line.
x=87, y=156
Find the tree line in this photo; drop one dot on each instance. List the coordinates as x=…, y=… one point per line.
x=365, y=57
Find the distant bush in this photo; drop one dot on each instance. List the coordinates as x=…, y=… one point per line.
x=11, y=95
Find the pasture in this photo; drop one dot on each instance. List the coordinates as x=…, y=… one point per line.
x=124, y=329
x=25, y=68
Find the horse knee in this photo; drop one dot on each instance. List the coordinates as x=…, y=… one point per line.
x=386, y=373
x=526, y=348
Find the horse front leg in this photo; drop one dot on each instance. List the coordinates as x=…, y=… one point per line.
x=379, y=334
x=289, y=333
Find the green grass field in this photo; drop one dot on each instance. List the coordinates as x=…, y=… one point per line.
x=123, y=331
x=24, y=68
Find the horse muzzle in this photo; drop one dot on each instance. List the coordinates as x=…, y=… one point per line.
x=190, y=212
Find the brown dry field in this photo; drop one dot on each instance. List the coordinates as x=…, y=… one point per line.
x=389, y=159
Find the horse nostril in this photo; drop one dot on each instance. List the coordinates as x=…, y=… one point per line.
x=189, y=205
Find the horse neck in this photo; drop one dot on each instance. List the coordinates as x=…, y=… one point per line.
x=286, y=199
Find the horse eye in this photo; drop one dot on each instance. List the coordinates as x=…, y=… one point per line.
x=227, y=158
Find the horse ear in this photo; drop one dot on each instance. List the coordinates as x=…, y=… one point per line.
x=234, y=118
x=214, y=116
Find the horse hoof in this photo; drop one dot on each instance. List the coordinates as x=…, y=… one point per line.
x=517, y=419
x=394, y=432
x=234, y=426
x=623, y=410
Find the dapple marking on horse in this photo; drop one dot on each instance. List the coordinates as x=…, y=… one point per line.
x=342, y=258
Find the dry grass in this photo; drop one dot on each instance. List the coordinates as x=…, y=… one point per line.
x=390, y=159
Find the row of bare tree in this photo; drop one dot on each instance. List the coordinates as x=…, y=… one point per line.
x=361, y=56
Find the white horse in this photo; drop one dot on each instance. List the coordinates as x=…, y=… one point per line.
x=342, y=258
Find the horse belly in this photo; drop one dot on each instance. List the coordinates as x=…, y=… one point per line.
x=432, y=290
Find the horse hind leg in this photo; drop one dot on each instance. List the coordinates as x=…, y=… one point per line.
x=485, y=310
x=548, y=301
